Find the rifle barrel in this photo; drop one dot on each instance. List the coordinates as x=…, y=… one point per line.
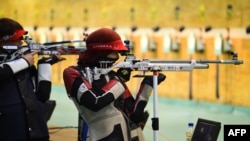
x=63, y=42
x=236, y=62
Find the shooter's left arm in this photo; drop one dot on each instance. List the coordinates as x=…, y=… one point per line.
x=44, y=76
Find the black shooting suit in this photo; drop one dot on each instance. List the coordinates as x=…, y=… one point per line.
x=23, y=93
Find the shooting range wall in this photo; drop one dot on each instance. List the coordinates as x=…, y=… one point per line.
x=233, y=85
x=144, y=13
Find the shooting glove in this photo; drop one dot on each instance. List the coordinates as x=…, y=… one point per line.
x=50, y=60
x=124, y=74
x=149, y=79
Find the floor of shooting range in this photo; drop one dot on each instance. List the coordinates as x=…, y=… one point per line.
x=173, y=115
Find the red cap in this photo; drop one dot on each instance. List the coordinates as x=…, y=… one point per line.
x=105, y=39
x=15, y=36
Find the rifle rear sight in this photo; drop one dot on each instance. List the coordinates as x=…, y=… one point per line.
x=234, y=55
x=127, y=44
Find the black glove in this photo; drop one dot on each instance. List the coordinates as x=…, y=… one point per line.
x=149, y=79
x=50, y=60
x=124, y=74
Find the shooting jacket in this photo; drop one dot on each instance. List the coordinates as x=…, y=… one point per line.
x=103, y=106
x=22, y=102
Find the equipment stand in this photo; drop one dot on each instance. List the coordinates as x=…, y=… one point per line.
x=155, y=119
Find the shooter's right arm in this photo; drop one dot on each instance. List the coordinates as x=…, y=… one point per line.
x=89, y=95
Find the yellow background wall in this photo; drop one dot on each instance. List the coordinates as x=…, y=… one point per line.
x=233, y=80
x=147, y=13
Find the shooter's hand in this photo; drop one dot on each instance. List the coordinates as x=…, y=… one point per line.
x=55, y=58
x=149, y=79
x=29, y=57
x=124, y=74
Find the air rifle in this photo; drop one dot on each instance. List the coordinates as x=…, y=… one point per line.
x=153, y=65
x=54, y=47
x=12, y=52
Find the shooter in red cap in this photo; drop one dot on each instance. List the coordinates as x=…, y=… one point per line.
x=106, y=104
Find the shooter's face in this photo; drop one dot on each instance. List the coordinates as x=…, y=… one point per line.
x=108, y=61
x=113, y=55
